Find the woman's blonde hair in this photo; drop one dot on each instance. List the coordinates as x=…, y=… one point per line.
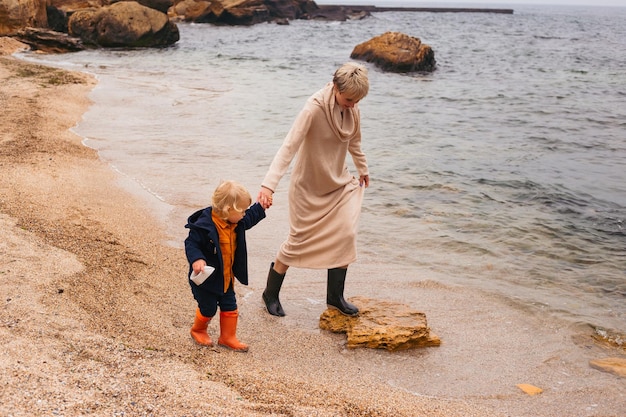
x=351, y=79
x=230, y=195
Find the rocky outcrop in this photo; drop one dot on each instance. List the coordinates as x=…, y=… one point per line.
x=381, y=325
x=18, y=14
x=338, y=13
x=241, y=12
x=123, y=24
x=49, y=41
x=396, y=52
x=70, y=6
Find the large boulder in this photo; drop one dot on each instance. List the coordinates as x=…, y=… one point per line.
x=396, y=52
x=381, y=325
x=59, y=10
x=18, y=14
x=123, y=24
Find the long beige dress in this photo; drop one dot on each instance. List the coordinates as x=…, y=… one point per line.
x=324, y=197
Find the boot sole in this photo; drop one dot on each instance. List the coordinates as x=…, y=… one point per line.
x=202, y=344
x=341, y=311
x=233, y=349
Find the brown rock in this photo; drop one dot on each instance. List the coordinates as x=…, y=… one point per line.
x=381, y=325
x=396, y=52
x=338, y=13
x=123, y=24
x=71, y=5
x=190, y=10
x=615, y=366
x=49, y=41
x=241, y=12
x=18, y=14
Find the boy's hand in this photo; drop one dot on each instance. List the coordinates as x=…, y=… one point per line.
x=198, y=266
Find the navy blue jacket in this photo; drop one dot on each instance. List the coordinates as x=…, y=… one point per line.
x=203, y=243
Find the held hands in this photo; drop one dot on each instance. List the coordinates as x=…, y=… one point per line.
x=265, y=198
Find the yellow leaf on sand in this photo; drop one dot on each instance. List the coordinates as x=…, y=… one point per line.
x=529, y=389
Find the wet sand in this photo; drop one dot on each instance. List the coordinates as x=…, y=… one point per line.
x=96, y=311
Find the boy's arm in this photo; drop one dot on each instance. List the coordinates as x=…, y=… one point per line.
x=254, y=214
x=192, y=247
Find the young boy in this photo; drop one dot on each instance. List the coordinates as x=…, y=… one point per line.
x=217, y=254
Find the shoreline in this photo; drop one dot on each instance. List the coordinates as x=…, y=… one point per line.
x=96, y=316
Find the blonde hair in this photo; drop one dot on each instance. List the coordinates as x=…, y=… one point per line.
x=230, y=195
x=351, y=79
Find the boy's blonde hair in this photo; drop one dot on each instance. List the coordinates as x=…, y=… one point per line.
x=351, y=79
x=230, y=195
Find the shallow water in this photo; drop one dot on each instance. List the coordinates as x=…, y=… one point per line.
x=503, y=169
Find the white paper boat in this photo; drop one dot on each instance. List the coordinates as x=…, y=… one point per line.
x=202, y=276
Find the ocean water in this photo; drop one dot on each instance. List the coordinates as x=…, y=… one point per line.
x=505, y=169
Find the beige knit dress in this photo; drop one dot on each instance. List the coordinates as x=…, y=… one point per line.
x=324, y=197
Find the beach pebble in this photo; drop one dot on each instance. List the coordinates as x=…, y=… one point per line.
x=529, y=389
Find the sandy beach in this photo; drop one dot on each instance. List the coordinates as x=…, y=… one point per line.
x=96, y=311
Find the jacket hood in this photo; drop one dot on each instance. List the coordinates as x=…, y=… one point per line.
x=201, y=219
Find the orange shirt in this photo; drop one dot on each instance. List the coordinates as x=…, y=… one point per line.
x=228, y=243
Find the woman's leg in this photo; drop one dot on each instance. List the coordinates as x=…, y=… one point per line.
x=275, y=279
x=334, y=292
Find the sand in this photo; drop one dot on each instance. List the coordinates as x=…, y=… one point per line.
x=96, y=312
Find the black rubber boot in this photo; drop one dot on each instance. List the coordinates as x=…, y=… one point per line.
x=334, y=292
x=270, y=295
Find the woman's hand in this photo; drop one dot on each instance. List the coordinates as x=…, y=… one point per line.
x=364, y=180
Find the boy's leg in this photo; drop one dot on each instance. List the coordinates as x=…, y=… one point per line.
x=207, y=307
x=199, y=331
x=229, y=315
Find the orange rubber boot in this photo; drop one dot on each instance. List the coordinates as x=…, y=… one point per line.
x=199, y=329
x=228, y=331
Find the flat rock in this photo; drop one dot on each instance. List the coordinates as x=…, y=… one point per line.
x=381, y=324
x=615, y=366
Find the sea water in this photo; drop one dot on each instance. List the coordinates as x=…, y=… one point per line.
x=504, y=169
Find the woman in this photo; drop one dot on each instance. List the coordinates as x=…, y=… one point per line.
x=324, y=197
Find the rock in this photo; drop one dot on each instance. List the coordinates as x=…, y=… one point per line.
x=381, y=325
x=18, y=14
x=223, y=12
x=338, y=13
x=59, y=11
x=245, y=12
x=396, y=52
x=190, y=10
x=72, y=5
x=615, y=366
x=49, y=41
x=123, y=24
x=57, y=19
x=160, y=5
x=530, y=389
